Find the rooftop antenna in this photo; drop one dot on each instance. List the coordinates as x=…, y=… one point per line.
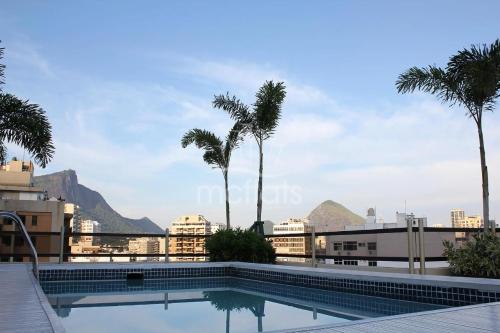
x=405, y=207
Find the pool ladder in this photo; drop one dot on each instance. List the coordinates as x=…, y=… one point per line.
x=27, y=239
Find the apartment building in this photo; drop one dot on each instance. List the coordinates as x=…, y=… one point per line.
x=460, y=220
x=402, y=220
x=36, y=210
x=90, y=226
x=189, y=225
x=74, y=222
x=138, y=246
x=290, y=245
x=214, y=227
x=86, y=244
x=382, y=244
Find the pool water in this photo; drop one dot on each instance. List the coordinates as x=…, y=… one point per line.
x=209, y=305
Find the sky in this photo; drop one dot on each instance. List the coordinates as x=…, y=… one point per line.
x=122, y=81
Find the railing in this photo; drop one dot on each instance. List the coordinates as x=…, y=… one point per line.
x=411, y=245
x=26, y=237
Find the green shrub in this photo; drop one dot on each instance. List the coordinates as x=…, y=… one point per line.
x=239, y=245
x=480, y=257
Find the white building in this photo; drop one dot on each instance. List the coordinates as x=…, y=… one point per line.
x=456, y=215
x=214, y=227
x=401, y=221
x=460, y=220
x=89, y=226
x=75, y=222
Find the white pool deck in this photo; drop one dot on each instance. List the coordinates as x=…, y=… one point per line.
x=25, y=308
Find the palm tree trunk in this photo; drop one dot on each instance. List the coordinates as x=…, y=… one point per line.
x=228, y=222
x=259, y=189
x=484, y=174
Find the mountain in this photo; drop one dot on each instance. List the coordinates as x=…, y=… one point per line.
x=65, y=184
x=332, y=216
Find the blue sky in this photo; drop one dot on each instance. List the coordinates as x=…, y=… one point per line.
x=123, y=80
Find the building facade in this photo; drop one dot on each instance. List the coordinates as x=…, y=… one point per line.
x=290, y=245
x=149, y=245
x=214, y=227
x=382, y=244
x=36, y=210
x=75, y=222
x=90, y=226
x=189, y=225
x=460, y=220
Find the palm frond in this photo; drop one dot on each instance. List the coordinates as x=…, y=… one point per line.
x=2, y=68
x=478, y=69
x=207, y=141
x=236, y=109
x=233, y=140
x=430, y=79
x=26, y=125
x=471, y=78
x=269, y=100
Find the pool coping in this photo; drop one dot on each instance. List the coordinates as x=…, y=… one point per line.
x=459, y=282
x=52, y=316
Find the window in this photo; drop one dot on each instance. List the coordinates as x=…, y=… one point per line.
x=6, y=240
x=372, y=246
x=33, y=240
x=6, y=221
x=351, y=262
x=337, y=246
x=23, y=219
x=18, y=241
x=34, y=220
x=372, y=263
x=350, y=246
x=361, y=244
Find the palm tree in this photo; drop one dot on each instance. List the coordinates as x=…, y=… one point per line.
x=24, y=124
x=260, y=122
x=217, y=153
x=471, y=79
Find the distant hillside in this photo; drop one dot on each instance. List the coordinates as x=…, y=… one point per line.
x=64, y=184
x=332, y=216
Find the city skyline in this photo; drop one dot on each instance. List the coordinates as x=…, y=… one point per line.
x=346, y=135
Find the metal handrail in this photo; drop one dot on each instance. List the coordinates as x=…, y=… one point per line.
x=26, y=236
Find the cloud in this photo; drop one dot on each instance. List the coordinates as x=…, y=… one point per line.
x=245, y=78
x=24, y=52
x=122, y=137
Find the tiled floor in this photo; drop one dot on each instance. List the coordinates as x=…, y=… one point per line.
x=23, y=306
x=470, y=319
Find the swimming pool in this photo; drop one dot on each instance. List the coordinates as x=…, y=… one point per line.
x=220, y=304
